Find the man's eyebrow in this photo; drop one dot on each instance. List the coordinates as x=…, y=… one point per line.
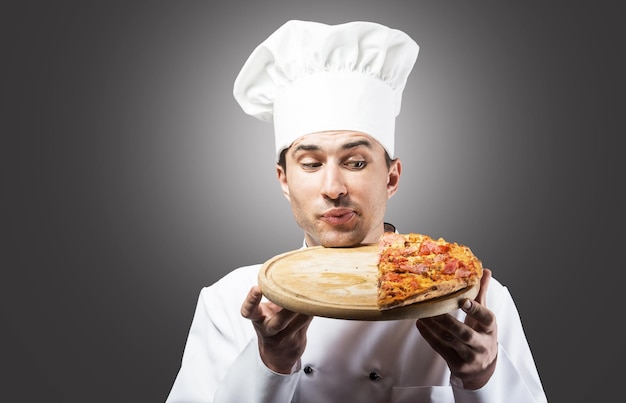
x=346, y=146
x=357, y=143
x=305, y=147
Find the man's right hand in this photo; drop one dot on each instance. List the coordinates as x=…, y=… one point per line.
x=281, y=333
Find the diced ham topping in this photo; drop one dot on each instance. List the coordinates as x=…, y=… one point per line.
x=428, y=246
x=419, y=268
x=451, y=266
x=391, y=238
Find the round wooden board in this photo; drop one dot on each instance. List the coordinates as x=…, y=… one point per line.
x=340, y=283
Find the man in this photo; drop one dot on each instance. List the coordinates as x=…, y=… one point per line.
x=333, y=93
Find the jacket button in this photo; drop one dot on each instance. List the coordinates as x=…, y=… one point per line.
x=308, y=370
x=374, y=376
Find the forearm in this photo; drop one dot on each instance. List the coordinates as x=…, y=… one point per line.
x=249, y=380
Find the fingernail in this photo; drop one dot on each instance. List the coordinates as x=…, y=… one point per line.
x=467, y=304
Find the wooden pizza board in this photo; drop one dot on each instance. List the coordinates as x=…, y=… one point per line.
x=340, y=283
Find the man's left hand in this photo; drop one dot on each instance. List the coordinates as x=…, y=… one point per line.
x=470, y=348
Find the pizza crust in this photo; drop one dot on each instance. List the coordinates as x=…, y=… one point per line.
x=438, y=290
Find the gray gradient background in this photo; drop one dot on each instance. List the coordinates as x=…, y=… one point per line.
x=128, y=172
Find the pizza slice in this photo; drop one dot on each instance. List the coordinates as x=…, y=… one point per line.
x=414, y=268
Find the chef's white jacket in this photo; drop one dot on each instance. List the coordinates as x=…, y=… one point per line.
x=344, y=361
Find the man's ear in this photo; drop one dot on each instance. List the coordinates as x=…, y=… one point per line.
x=282, y=180
x=393, y=178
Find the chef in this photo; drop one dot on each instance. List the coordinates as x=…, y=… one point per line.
x=333, y=93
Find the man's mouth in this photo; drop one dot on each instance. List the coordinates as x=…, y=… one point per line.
x=338, y=216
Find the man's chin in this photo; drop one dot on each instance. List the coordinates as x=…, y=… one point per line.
x=341, y=240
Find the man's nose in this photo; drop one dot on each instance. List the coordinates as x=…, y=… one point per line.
x=334, y=185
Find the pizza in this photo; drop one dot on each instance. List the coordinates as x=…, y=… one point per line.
x=414, y=268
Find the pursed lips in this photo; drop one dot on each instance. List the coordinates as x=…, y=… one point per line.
x=338, y=216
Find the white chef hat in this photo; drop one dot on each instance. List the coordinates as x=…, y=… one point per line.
x=309, y=77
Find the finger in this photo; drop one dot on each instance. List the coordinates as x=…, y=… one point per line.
x=484, y=284
x=439, y=338
x=300, y=323
x=447, y=328
x=429, y=332
x=444, y=321
x=478, y=312
x=250, y=307
x=280, y=321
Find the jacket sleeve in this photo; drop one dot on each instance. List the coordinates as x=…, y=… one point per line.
x=220, y=361
x=249, y=380
x=516, y=379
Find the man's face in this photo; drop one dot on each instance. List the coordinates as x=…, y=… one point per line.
x=338, y=184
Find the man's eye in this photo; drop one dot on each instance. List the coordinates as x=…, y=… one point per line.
x=310, y=165
x=356, y=164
